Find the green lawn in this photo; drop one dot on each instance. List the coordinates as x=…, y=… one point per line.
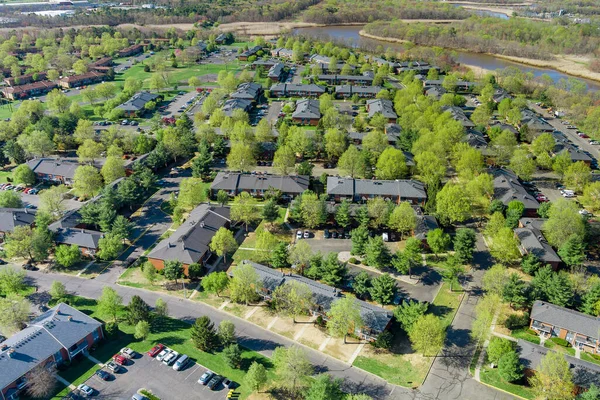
x=590, y=358
x=570, y=351
x=446, y=303
x=492, y=378
x=395, y=369
x=170, y=332
x=525, y=335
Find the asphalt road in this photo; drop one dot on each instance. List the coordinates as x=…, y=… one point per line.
x=127, y=64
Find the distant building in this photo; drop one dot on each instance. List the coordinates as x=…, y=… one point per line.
x=296, y=90
x=131, y=50
x=508, y=188
x=136, y=105
x=87, y=240
x=189, y=244
x=535, y=122
x=102, y=65
x=25, y=79
x=307, y=112
x=10, y=218
x=56, y=337
x=382, y=106
x=236, y=104
x=365, y=92
x=253, y=51
x=247, y=91
x=461, y=86
x=284, y=53
x=275, y=73
x=361, y=190
x=458, y=114
x=266, y=64
x=81, y=80
x=575, y=153
x=375, y=319
x=501, y=94
x=233, y=183
x=532, y=241
x=358, y=80
x=435, y=92
x=54, y=169
x=31, y=89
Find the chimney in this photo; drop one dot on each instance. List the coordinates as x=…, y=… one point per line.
x=70, y=318
x=3, y=347
x=10, y=352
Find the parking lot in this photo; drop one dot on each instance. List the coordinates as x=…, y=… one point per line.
x=130, y=61
x=34, y=201
x=274, y=110
x=179, y=103
x=162, y=380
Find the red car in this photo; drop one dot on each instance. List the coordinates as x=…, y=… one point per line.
x=119, y=359
x=155, y=350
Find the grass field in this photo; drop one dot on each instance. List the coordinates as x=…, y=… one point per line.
x=525, y=335
x=171, y=332
x=446, y=303
x=493, y=378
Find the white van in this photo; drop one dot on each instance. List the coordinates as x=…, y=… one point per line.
x=181, y=363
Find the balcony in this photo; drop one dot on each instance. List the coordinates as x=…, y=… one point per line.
x=78, y=349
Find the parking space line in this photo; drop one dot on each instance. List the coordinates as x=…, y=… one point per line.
x=191, y=373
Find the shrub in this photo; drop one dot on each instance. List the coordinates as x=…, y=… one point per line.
x=111, y=329
x=561, y=342
x=532, y=332
x=353, y=260
x=515, y=321
x=149, y=395
x=384, y=340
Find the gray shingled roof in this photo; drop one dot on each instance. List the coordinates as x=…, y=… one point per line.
x=436, y=92
x=458, y=114
x=349, y=78
x=575, y=153
x=536, y=223
x=383, y=106
x=297, y=88
x=565, y=318
x=233, y=104
x=374, y=317
x=275, y=71
x=251, y=51
x=360, y=90
x=354, y=187
x=475, y=139
x=189, y=243
x=508, y=188
x=307, y=109
x=584, y=373
x=44, y=336
x=10, y=218
x=534, y=121
x=138, y=101
x=533, y=242
x=54, y=166
x=80, y=237
x=247, y=91
x=228, y=181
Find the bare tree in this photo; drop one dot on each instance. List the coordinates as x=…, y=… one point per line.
x=41, y=381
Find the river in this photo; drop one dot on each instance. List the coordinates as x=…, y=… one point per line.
x=350, y=36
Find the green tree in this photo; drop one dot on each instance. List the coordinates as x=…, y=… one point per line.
x=530, y=263
x=53, y=199
x=137, y=310
x=452, y=204
x=110, y=303
x=112, y=169
x=291, y=366
x=383, y=289
x=241, y=157
x=351, y=163
x=561, y=163
x=377, y=253
x=504, y=246
x=244, y=209
x=410, y=312
x=324, y=387
x=577, y=176
x=161, y=309
x=203, y=334
x=110, y=246
x=344, y=317
x=497, y=348
x=215, y=282
x=279, y=256
x=284, y=160
x=149, y=272
x=256, y=377
x=335, y=142
x=403, y=219
x=563, y=222
x=232, y=354
x=427, y=335
x=10, y=199
x=173, y=270
x=333, y=271
x=245, y=284
x=572, y=252
x=438, y=241
x=514, y=291
x=67, y=256
x=223, y=243
x=593, y=393
x=87, y=181
x=192, y=192
x=57, y=290
x=142, y=330
x=89, y=151
x=270, y=211
x=14, y=313
x=23, y=174
x=226, y=332
x=523, y=164
x=391, y=164
x=453, y=272
x=509, y=367
x=12, y=280
x=361, y=285
x=222, y=197
x=312, y=209
x=293, y=299
x=553, y=378
x=342, y=214
x=360, y=239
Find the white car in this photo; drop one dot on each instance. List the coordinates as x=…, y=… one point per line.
x=170, y=359
x=306, y=234
x=127, y=352
x=584, y=212
x=299, y=235
x=85, y=390
x=161, y=356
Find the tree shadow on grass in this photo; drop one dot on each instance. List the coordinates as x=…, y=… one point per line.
x=440, y=311
x=161, y=325
x=172, y=340
x=248, y=360
x=257, y=344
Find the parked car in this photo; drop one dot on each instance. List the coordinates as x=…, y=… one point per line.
x=181, y=363
x=138, y=396
x=155, y=350
x=85, y=390
x=127, y=352
x=113, y=366
x=334, y=234
x=594, y=142
x=102, y=374
x=214, y=382
x=170, y=358
x=206, y=377
x=161, y=356
x=306, y=234
x=33, y=191
x=227, y=383
x=299, y=235
x=584, y=212
x=2, y=262
x=29, y=267
x=119, y=359
x=326, y=234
